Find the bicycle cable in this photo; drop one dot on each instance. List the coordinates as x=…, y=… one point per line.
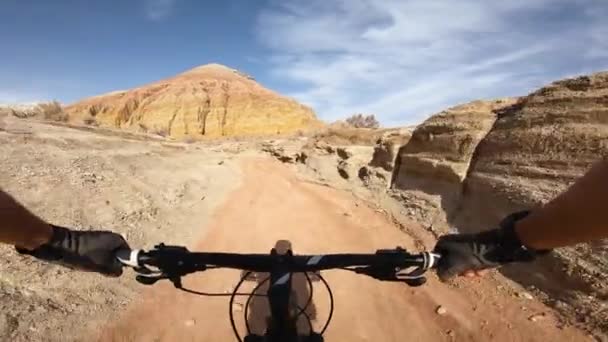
x=232, y=323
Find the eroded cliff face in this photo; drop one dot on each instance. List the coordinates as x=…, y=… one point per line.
x=535, y=150
x=539, y=146
x=469, y=168
x=432, y=166
x=210, y=101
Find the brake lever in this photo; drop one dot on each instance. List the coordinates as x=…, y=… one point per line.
x=151, y=280
x=390, y=274
x=169, y=264
x=174, y=261
x=414, y=277
x=147, y=280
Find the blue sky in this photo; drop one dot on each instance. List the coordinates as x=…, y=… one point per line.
x=401, y=60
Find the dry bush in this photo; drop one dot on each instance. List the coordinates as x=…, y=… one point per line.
x=143, y=127
x=52, y=111
x=363, y=121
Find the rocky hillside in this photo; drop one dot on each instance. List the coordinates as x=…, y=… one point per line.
x=471, y=165
x=210, y=100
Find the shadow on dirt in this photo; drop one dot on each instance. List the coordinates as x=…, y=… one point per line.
x=302, y=303
x=258, y=311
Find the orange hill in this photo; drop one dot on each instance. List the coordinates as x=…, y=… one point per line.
x=210, y=100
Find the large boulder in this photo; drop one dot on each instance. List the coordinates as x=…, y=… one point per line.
x=210, y=100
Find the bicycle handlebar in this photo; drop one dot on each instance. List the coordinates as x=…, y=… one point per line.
x=172, y=262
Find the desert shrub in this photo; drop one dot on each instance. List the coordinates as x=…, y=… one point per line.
x=143, y=127
x=363, y=121
x=52, y=111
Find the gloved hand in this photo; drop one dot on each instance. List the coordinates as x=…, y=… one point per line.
x=488, y=249
x=92, y=251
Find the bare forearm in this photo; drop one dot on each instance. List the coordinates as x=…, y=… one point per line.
x=19, y=227
x=578, y=215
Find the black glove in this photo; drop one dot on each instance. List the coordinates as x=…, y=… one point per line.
x=488, y=249
x=93, y=251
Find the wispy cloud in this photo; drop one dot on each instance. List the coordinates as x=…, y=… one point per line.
x=13, y=97
x=598, y=31
x=156, y=10
x=404, y=60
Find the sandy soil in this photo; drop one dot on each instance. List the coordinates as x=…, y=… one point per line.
x=147, y=189
x=273, y=204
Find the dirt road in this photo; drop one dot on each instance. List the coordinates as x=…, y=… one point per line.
x=272, y=204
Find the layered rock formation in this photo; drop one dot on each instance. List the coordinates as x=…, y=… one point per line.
x=211, y=100
x=432, y=166
x=541, y=145
x=535, y=150
x=467, y=168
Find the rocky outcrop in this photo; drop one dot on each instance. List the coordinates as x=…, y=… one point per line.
x=539, y=146
x=387, y=147
x=535, y=150
x=470, y=167
x=356, y=160
x=441, y=148
x=284, y=150
x=211, y=101
x=432, y=166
